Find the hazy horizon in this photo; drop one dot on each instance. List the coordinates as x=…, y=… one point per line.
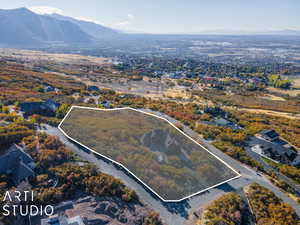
x=177, y=17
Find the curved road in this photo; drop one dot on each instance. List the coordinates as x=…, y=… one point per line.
x=177, y=213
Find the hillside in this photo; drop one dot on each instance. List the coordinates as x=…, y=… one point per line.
x=37, y=29
x=95, y=30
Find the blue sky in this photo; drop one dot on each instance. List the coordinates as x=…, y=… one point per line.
x=177, y=16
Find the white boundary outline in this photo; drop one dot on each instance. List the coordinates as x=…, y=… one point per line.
x=124, y=167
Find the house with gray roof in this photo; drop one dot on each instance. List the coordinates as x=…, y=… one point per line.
x=221, y=122
x=17, y=164
x=269, y=135
x=285, y=154
x=49, y=89
x=47, y=108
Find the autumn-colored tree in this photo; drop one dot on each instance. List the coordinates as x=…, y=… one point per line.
x=268, y=208
x=226, y=210
x=152, y=219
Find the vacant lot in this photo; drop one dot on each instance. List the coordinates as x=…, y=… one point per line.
x=292, y=92
x=34, y=56
x=157, y=153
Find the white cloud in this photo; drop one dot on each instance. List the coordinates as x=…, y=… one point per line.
x=127, y=22
x=130, y=16
x=51, y=10
x=45, y=10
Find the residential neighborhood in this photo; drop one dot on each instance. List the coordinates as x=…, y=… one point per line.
x=134, y=112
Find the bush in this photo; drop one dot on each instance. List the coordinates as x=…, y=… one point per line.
x=268, y=208
x=226, y=210
x=152, y=219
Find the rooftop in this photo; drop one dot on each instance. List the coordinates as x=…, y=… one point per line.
x=269, y=133
x=17, y=163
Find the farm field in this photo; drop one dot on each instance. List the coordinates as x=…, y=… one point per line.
x=161, y=156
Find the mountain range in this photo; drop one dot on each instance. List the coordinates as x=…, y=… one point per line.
x=94, y=30
x=22, y=27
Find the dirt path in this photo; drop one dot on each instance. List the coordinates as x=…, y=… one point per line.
x=268, y=112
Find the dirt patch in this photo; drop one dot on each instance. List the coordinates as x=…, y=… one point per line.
x=296, y=82
x=270, y=112
x=74, y=59
x=273, y=98
x=177, y=93
x=293, y=92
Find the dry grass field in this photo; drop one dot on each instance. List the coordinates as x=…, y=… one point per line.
x=157, y=153
x=292, y=92
x=32, y=56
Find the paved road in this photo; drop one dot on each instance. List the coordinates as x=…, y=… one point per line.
x=177, y=213
x=248, y=217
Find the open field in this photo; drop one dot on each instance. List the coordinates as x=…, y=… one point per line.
x=161, y=156
x=293, y=116
x=292, y=92
x=296, y=82
x=32, y=56
x=273, y=97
